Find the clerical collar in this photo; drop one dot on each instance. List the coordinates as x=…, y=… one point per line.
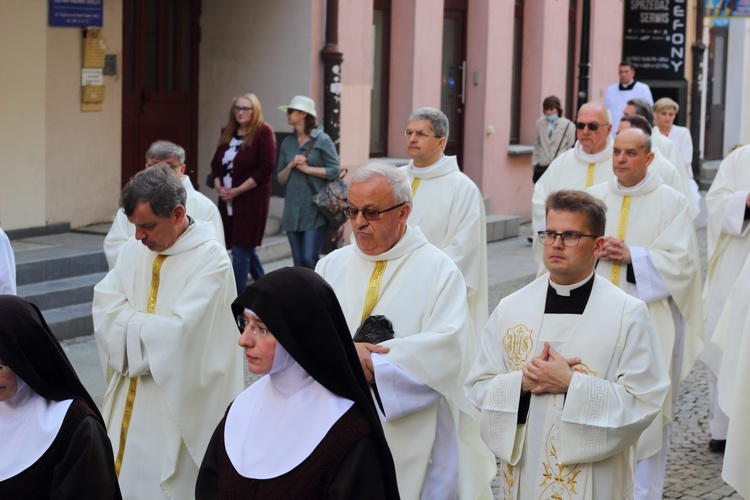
x=626, y=190
x=568, y=299
x=428, y=167
x=595, y=157
x=627, y=86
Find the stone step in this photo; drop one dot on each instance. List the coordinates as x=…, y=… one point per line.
x=63, y=292
x=70, y=321
x=501, y=227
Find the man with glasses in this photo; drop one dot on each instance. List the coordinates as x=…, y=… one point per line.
x=448, y=206
x=417, y=369
x=568, y=373
x=650, y=251
x=167, y=340
x=581, y=167
x=198, y=205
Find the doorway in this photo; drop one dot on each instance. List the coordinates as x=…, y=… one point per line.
x=453, y=75
x=717, y=76
x=160, y=80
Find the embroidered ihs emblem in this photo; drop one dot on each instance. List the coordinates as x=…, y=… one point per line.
x=517, y=343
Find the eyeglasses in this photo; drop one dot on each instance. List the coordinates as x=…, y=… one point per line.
x=257, y=330
x=242, y=109
x=568, y=239
x=593, y=126
x=419, y=133
x=369, y=213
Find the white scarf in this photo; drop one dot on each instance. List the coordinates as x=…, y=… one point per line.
x=277, y=422
x=29, y=424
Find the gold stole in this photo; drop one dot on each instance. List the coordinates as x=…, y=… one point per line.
x=373, y=289
x=130, y=400
x=590, y=175
x=622, y=227
x=415, y=185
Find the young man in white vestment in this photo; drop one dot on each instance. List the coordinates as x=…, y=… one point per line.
x=166, y=339
x=732, y=336
x=650, y=251
x=448, y=206
x=7, y=266
x=627, y=88
x=569, y=372
x=728, y=207
x=198, y=205
x=586, y=164
x=393, y=271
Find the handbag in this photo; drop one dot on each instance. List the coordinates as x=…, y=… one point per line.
x=333, y=198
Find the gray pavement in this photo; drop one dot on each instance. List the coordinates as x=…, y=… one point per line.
x=692, y=471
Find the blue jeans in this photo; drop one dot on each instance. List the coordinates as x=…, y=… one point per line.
x=243, y=260
x=306, y=246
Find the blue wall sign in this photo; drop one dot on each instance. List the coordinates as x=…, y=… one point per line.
x=75, y=13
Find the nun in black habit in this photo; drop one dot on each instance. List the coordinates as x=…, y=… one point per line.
x=309, y=428
x=52, y=438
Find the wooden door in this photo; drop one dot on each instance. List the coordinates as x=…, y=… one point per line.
x=717, y=75
x=453, y=78
x=160, y=79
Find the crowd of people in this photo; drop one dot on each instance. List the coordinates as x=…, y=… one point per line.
x=382, y=374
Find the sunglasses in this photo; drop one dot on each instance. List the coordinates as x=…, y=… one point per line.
x=593, y=126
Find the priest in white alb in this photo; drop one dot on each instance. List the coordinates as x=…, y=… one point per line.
x=732, y=336
x=405, y=303
x=650, y=250
x=728, y=207
x=569, y=372
x=448, y=206
x=198, y=205
x=166, y=339
x=587, y=163
x=7, y=266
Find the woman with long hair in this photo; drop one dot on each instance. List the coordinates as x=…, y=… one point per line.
x=242, y=167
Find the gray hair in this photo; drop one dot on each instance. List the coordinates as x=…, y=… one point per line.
x=164, y=150
x=395, y=178
x=156, y=185
x=438, y=121
x=643, y=108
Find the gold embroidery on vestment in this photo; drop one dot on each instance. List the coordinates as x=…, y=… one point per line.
x=557, y=479
x=590, y=175
x=583, y=368
x=517, y=343
x=622, y=228
x=415, y=185
x=373, y=289
x=130, y=399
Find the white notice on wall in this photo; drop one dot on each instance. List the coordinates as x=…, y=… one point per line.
x=92, y=76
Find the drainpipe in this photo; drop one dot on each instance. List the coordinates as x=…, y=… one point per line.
x=332, y=59
x=698, y=81
x=584, y=65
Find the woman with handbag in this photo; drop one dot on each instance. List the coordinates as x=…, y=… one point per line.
x=241, y=168
x=307, y=160
x=555, y=134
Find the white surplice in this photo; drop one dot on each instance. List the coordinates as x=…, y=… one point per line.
x=185, y=356
x=449, y=209
x=573, y=169
x=419, y=380
x=197, y=205
x=732, y=335
x=580, y=444
x=615, y=100
x=675, y=178
x=661, y=237
x=7, y=266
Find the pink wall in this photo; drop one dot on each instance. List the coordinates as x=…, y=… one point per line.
x=416, y=38
x=607, y=17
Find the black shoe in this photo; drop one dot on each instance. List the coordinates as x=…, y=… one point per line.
x=717, y=445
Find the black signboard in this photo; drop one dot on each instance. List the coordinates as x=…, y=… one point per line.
x=654, y=38
x=74, y=13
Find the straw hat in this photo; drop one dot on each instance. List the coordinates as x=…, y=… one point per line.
x=301, y=103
